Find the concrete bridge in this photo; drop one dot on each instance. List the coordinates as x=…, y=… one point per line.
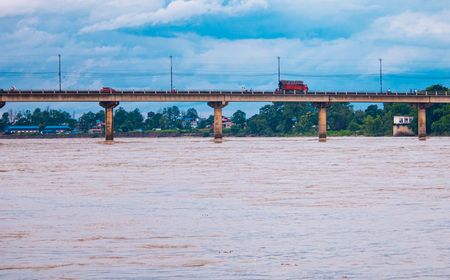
x=218, y=99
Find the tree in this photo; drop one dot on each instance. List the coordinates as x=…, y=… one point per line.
x=120, y=119
x=152, y=121
x=23, y=118
x=239, y=118
x=373, y=126
x=436, y=87
x=272, y=116
x=4, y=121
x=442, y=126
x=339, y=116
x=438, y=115
x=135, y=119
x=191, y=114
x=128, y=121
x=306, y=123
x=258, y=125
x=356, y=124
x=170, y=118
x=304, y=115
x=283, y=118
x=373, y=111
x=100, y=116
x=87, y=121
x=204, y=123
x=398, y=109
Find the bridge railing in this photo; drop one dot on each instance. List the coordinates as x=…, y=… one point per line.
x=229, y=92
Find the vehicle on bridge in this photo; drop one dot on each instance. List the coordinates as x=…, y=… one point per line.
x=285, y=86
x=107, y=90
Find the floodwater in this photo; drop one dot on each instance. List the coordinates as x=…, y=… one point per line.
x=249, y=208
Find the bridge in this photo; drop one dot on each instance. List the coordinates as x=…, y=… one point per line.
x=218, y=99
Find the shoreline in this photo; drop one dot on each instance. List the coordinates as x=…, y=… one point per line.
x=180, y=135
x=100, y=136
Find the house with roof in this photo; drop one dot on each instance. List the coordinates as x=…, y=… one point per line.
x=226, y=123
x=97, y=129
x=21, y=129
x=187, y=122
x=56, y=129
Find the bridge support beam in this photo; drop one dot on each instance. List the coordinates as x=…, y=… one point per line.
x=322, y=120
x=109, y=118
x=422, y=121
x=217, y=105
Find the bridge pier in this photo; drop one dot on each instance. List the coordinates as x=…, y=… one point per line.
x=109, y=118
x=2, y=104
x=322, y=120
x=422, y=121
x=217, y=105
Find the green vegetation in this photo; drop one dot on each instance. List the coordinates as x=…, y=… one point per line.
x=277, y=119
x=284, y=119
x=39, y=117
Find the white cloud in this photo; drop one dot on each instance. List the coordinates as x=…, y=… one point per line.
x=177, y=10
x=27, y=37
x=95, y=8
x=419, y=27
x=321, y=8
x=18, y=7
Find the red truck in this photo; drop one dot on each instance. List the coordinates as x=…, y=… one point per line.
x=285, y=86
x=107, y=90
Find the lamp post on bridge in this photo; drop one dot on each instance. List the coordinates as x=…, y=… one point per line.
x=59, y=71
x=381, y=75
x=171, y=75
x=279, y=68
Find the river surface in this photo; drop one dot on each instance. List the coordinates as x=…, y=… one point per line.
x=248, y=208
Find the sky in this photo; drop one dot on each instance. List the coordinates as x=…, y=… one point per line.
x=221, y=44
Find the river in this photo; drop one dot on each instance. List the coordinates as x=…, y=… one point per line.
x=248, y=208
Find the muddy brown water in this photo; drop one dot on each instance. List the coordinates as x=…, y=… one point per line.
x=248, y=208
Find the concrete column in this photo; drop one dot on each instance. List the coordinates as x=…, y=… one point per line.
x=422, y=120
x=322, y=120
x=109, y=118
x=218, y=105
x=322, y=124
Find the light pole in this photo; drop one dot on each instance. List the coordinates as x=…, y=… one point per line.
x=171, y=75
x=279, y=74
x=381, y=76
x=59, y=71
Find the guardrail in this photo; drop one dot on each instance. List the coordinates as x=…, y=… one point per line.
x=229, y=92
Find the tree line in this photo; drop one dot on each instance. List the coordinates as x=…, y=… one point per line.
x=281, y=119
x=277, y=119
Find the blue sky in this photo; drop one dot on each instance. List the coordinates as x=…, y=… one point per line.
x=218, y=44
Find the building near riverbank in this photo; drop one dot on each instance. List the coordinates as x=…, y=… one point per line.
x=22, y=129
x=97, y=129
x=56, y=129
x=188, y=122
x=401, y=126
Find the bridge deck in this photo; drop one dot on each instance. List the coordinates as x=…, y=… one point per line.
x=220, y=95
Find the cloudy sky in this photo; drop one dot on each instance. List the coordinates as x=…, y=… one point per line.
x=222, y=44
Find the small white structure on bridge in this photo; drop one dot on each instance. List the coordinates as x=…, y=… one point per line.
x=400, y=127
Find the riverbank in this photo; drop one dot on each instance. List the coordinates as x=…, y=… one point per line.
x=117, y=135
x=176, y=134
